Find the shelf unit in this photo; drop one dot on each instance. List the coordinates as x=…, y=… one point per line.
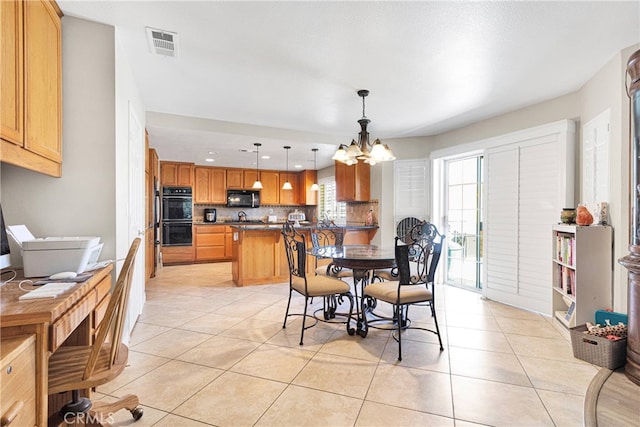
x=582, y=272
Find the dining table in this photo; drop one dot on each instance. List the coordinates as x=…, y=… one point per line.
x=362, y=260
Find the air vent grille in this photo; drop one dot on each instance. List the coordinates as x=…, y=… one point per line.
x=162, y=42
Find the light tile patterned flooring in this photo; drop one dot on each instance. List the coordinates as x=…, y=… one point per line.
x=205, y=352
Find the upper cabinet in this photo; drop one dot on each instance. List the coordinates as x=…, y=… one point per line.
x=210, y=185
x=176, y=173
x=307, y=196
x=270, y=193
x=289, y=197
x=353, y=182
x=31, y=86
x=235, y=178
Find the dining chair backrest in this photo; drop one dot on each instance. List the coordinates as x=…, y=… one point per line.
x=327, y=236
x=296, y=248
x=418, y=260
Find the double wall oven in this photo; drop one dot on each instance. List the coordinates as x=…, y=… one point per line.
x=177, y=218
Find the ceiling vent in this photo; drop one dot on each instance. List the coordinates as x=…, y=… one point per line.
x=162, y=42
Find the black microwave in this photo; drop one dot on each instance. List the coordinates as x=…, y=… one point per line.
x=243, y=199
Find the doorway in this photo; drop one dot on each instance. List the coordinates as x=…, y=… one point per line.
x=463, y=201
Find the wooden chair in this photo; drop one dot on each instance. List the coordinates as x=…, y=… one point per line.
x=416, y=263
x=73, y=368
x=331, y=289
x=328, y=236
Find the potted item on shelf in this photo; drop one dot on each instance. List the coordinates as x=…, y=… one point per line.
x=568, y=216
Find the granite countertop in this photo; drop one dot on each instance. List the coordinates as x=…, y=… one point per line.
x=272, y=226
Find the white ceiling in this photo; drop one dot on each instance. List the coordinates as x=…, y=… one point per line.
x=286, y=73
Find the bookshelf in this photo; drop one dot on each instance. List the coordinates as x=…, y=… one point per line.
x=582, y=272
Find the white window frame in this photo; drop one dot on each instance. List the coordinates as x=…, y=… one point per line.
x=337, y=210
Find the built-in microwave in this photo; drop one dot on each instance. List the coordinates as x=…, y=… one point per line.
x=243, y=199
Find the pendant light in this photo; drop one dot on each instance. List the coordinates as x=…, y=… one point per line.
x=257, y=185
x=287, y=184
x=315, y=186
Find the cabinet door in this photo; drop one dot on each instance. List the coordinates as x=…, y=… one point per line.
x=289, y=197
x=307, y=196
x=11, y=77
x=168, y=173
x=43, y=80
x=345, y=182
x=270, y=193
x=235, y=178
x=185, y=175
x=218, y=185
x=201, y=186
x=250, y=176
x=353, y=182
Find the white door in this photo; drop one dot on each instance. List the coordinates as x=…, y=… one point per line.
x=136, y=219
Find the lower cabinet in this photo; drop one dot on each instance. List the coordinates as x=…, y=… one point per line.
x=18, y=397
x=177, y=254
x=213, y=243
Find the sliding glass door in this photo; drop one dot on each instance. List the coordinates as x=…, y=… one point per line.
x=463, y=194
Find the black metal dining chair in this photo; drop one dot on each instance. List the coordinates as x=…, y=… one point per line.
x=407, y=227
x=416, y=263
x=332, y=290
x=328, y=236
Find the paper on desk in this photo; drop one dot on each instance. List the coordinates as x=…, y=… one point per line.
x=20, y=233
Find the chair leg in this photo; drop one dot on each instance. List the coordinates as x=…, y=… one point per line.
x=435, y=320
x=103, y=412
x=286, y=313
x=304, y=318
x=399, y=323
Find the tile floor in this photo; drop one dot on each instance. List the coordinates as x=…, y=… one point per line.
x=205, y=352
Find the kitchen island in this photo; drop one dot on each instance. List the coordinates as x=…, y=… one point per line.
x=258, y=255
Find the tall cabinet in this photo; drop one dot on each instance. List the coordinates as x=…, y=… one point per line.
x=582, y=272
x=31, y=85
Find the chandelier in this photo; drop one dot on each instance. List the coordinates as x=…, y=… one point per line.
x=363, y=149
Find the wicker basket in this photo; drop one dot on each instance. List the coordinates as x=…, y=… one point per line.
x=598, y=350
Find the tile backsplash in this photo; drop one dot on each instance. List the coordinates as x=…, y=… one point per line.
x=225, y=214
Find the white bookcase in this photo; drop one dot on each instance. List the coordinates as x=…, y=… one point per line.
x=582, y=272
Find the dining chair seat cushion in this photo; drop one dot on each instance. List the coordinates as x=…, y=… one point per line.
x=320, y=286
x=388, y=292
x=322, y=271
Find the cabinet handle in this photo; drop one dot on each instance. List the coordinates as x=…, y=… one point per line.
x=12, y=413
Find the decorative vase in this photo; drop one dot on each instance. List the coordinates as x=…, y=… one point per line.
x=568, y=216
x=583, y=216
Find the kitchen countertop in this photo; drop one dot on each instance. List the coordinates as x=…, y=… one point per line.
x=278, y=225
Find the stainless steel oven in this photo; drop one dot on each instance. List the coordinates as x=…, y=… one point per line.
x=177, y=204
x=177, y=217
x=177, y=233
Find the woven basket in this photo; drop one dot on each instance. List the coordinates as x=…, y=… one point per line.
x=598, y=350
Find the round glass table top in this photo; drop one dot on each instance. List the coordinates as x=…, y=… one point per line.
x=354, y=252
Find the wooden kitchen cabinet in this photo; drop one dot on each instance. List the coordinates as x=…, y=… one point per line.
x=18, y=396
x=177, y=255
x=270, y=193
x=289, y=197
x=307, y=196
x=235, y=178
x=31, y=85
x=353, y=182
x=250, y=176
x=211, y=243
x=176, y=174
x=210, y=185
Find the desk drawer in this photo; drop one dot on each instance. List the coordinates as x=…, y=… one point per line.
x=18, y=379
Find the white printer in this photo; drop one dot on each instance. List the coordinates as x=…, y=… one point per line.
x=49, y=255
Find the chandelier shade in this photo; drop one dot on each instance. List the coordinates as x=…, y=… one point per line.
x=371, y=153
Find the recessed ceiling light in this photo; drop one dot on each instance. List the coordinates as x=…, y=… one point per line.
x=209, y=160
x=213, y=152
x=265, y=157
x=298, y=166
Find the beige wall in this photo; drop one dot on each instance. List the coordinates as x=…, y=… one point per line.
x=604, y=90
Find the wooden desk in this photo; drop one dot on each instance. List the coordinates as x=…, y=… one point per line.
x=70, y=318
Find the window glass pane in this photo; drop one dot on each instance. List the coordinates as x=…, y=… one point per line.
x=469, y=195
x=455, y=197
x=469, y=170
x=455, y=173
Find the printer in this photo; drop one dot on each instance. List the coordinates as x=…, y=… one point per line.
x=49, y=255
